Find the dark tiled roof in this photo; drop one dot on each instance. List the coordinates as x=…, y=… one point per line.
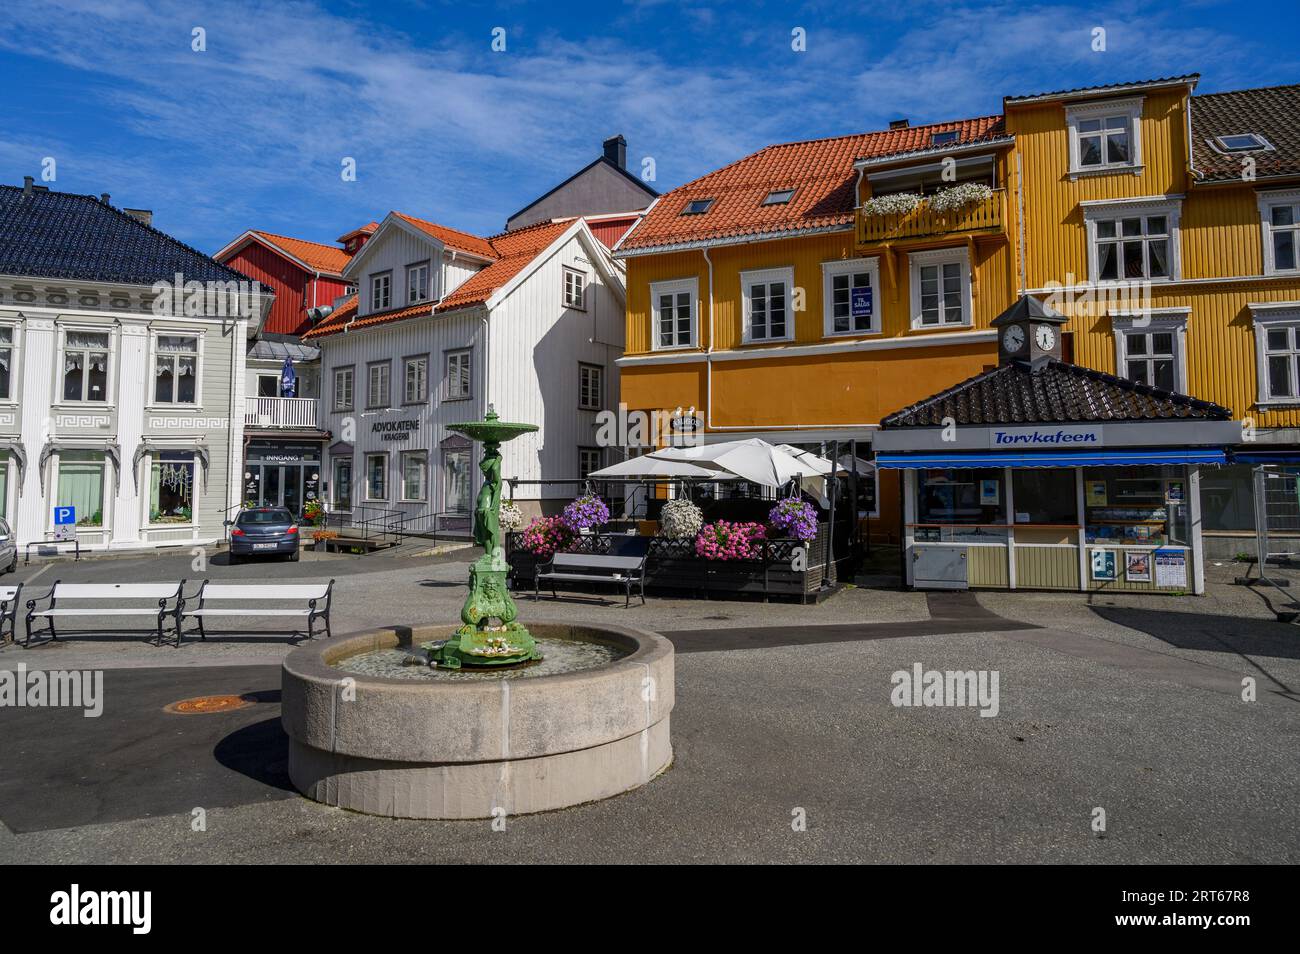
x=1057, y=393
x=1273, y=112
x=1108, y=89
x=78, y=237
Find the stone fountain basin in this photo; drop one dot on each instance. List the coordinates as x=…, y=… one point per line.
x=473, y=748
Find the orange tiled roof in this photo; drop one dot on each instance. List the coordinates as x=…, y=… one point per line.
x=514, y=250
x=322, y=258
x=453, y=238
x=820, y=171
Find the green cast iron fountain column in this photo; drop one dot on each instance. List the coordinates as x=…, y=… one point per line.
x=480, y=641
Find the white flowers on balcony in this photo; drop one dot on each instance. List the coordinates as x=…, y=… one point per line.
x=897, y=203
x=959, y=196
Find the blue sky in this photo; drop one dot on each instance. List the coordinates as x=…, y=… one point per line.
x=251, y=132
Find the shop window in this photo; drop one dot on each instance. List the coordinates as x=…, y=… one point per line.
x=6, y=361
x=176, y=368
x=590, y=386
x=1043, y=495
x=343, y=484
x=1136, y=506
x=1228, y=498
x=456, y=378
x=940, y=288
x=81, y=485
x=416, y=375
x=971, y=500
x=171, y=487
x=415, y=475
x=849, y=292
x=766, y=304
x=377, y=477
x=85, y=366
x=673, y=306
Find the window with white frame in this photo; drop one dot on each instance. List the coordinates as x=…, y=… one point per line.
x=381, y=291
x=171, y=487
x=766, y=304
x=415, y=475
x=940, y=286
x=1280, y=221
x=575, y=288
x=1105, y=137
x=849, y=292
x=673, y=307
x=377, y=381
x=591, y=386
x=85, y=365
x=176, y=369
x=1277, y=351
x=81, y=485
x=456, y=383
x=1151, y=347
x=376, y=476
x=7, y=369
x=416, y=377
x=343, y=381
x=1132, y=241
x=417, y=283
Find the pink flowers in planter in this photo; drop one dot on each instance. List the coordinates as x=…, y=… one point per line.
x=725, y=540
x=795, y=518
x=546, y=536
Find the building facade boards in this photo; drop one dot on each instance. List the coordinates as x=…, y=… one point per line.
x=811, y=289
x=443, y=326
x=120, y=426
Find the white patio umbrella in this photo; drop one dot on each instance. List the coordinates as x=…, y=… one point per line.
x=648, y=465
x=754, y=460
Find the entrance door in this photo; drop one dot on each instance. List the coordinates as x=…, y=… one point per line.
x=271, y=482
x=291, y=489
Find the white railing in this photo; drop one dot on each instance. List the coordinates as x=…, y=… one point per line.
x=280, y=412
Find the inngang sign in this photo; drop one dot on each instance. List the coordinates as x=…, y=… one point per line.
x=395, y=430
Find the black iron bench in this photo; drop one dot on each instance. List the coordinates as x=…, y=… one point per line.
x=592, y=568
x=106, y=599
x=9, y=611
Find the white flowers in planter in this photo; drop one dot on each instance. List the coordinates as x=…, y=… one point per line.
x=897, y=203
x=959, y=196
x=680, y=519
x=510, y=516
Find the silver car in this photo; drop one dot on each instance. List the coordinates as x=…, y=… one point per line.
x=8, y=548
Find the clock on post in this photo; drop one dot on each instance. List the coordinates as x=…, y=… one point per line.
x=1029, y=332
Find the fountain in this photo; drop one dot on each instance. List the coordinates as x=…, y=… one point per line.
x=484, y=718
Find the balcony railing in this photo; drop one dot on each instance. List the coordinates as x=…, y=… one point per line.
x=280, y=412
x=986, y=216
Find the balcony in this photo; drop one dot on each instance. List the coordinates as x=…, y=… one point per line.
x=280, y=413
x=988, y=215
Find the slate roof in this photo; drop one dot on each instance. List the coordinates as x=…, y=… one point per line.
x=77, y=237
x=1057, y=393
x=1108, y=89
x=821, y=171
x=1272, y=112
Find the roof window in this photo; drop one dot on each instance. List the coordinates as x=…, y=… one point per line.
x=1241, y=142
x=944, y=138
x=779, y=197
x=697, y=206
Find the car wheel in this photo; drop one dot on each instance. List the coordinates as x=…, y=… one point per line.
x=293, y=557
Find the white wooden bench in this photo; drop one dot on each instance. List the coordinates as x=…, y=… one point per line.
x=592, y=568
x=316, y=596
x=107, y=599
x=9, y=611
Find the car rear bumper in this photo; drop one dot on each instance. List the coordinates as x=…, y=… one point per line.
x=255, y=547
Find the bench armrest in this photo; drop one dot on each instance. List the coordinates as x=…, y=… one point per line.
x=49, y=595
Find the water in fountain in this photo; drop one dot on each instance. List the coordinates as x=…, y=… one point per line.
x=558, y=656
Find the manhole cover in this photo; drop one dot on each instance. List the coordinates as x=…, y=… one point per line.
x=201, y=705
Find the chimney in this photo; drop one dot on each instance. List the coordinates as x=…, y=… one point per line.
x=27, y=185
x=898, y=124
x=616, y=151
x=103, y=197
x=143, y=216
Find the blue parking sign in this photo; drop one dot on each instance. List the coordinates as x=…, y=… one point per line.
x=64, y=515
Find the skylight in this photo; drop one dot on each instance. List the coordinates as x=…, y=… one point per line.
x=779, y=197
x=697, y=207
x=1242, y=142
x=944, y=138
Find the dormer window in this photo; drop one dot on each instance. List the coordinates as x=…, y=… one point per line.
x=1242, y=142
x=779, y=197
x=944, y=138
x=1105, y=137
x=697, y=207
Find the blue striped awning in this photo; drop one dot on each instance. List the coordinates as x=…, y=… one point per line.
x=1181, y=456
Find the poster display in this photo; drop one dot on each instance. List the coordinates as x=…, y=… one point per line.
x=1095, y=491
x=1171, y=569
x=989, y=493
x=1103, y=564
x=1137, y=566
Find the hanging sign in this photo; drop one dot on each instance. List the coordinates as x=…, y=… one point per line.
x=860, y=302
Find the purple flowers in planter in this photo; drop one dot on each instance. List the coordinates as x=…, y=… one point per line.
x=584, y=513
x=795, y=518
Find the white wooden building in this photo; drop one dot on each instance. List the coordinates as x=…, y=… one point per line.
x=445, y=324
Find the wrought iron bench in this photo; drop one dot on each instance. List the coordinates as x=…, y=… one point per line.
x=106, y=598
x=593, y=568
x=9, y=611
x=317, y=597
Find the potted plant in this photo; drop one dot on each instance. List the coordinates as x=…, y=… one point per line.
x=320, y=539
